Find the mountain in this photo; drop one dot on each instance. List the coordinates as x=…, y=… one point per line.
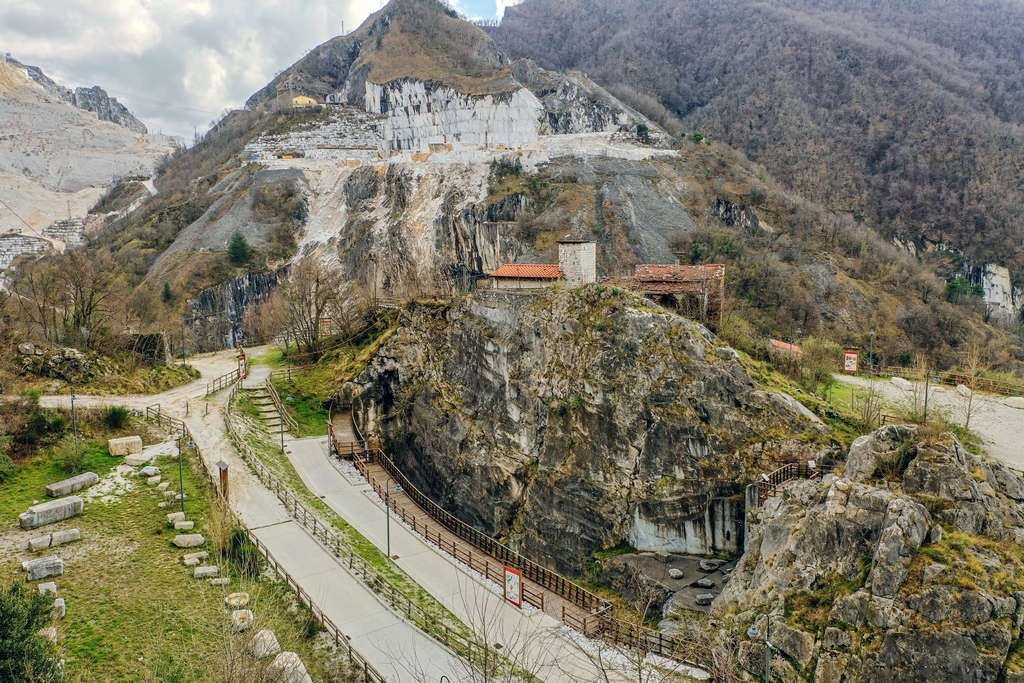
x=94, y=99
x=436, y=159
x=903, y=114
x=58, y=156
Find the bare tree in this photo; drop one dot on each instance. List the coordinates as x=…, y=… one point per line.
x=313, y=289
x=974, y=366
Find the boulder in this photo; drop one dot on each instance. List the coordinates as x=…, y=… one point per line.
x=264, y=644
x=39, y=543
x=874, y=451
x=241, y=619
x=705, y=598
x=704, y=583
x=51, y=511
x=931, y=571
x=287, y=667
x=201, y=555
x=188, y=540
x=674, y=573
x=126, y=445
x=43, y=567
x=237, y=600
x=64, y=536
x=149, y=471
x=963, y=390
x=151, y=481
x=183, y=525
x=48, y=587
x=59, y=608
x=175, y=517
x=709, y=565
x=136, y=459
x=220, y=581
x=206, y=572
x=76, y=483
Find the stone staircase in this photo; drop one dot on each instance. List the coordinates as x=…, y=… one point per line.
x=267, y=410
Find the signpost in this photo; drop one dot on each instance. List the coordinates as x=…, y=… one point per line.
x=850, y=361
x=514, y=586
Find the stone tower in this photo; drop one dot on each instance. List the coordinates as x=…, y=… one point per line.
x=578, y=261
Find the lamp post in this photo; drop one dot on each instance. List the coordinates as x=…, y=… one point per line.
x=74, y=420
x=181, y=472
x=387, y=515
x=752, y=633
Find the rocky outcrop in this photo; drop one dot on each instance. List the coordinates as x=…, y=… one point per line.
x=217, y=312
x=568, y=422
x=908, y=567
x=1004, y=302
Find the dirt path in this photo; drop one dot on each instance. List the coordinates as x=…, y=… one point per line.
x=1000, y=426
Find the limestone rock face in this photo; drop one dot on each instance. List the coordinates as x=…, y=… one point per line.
x=568, y=422
x=865, y=555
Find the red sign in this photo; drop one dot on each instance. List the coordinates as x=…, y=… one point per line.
x=514, y=586
x=850, y=361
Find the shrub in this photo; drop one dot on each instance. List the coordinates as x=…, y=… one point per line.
x=697, y=136
x=7, y=466
x=243, y=554
x=960, y=289
x=24, y=654
x=116, y=417
x=643, y=133
x=505, y=167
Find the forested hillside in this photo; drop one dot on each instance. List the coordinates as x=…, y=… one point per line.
x=904, y=114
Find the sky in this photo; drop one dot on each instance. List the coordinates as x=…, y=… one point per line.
x=178, y=65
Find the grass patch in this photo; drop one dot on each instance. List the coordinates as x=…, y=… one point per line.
x=134, y=612
x=307, y=409
x=27, y=485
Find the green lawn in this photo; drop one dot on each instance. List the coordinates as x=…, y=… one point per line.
x=307, y=409
x=134, y=612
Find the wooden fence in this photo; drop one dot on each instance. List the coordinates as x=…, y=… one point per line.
x=287, y=421
x=953, y=378
x=226, y=380
x=365, y=671
x=358, y=567
x=597, y=622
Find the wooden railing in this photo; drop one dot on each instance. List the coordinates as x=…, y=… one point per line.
x=552, y=581
x=286, y=419
x=376, y=581
x=365, y=671
x=227, y=379
x=953, y=378
x=768, y=484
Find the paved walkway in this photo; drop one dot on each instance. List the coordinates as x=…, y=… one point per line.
x=398, y=650
x=540, y=642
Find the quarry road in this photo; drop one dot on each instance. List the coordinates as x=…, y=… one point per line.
x=1000, y=425
x=541, y=644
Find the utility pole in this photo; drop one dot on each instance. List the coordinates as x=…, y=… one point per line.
x=927, y=376
x=871, y=350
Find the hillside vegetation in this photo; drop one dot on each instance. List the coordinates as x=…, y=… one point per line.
x=902, y=114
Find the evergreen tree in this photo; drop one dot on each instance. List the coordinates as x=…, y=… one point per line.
x=24, y=654
x=167, y=295
x=239, y=251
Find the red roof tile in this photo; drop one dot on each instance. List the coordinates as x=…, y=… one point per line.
x=657, y=272
x=536, y=271
x=785, y=347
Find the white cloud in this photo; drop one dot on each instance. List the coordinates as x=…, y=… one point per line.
x=177, y=64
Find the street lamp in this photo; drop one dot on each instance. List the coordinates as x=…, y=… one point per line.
x=753, y=633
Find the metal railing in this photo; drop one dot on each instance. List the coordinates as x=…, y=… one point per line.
x=366, y=671
x=357, y=566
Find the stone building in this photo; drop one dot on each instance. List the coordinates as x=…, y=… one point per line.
x=577, y=265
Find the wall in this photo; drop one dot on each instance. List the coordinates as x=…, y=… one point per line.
x=422, y=114
x=520, y=283
x=578, y=261
x=15, y=244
